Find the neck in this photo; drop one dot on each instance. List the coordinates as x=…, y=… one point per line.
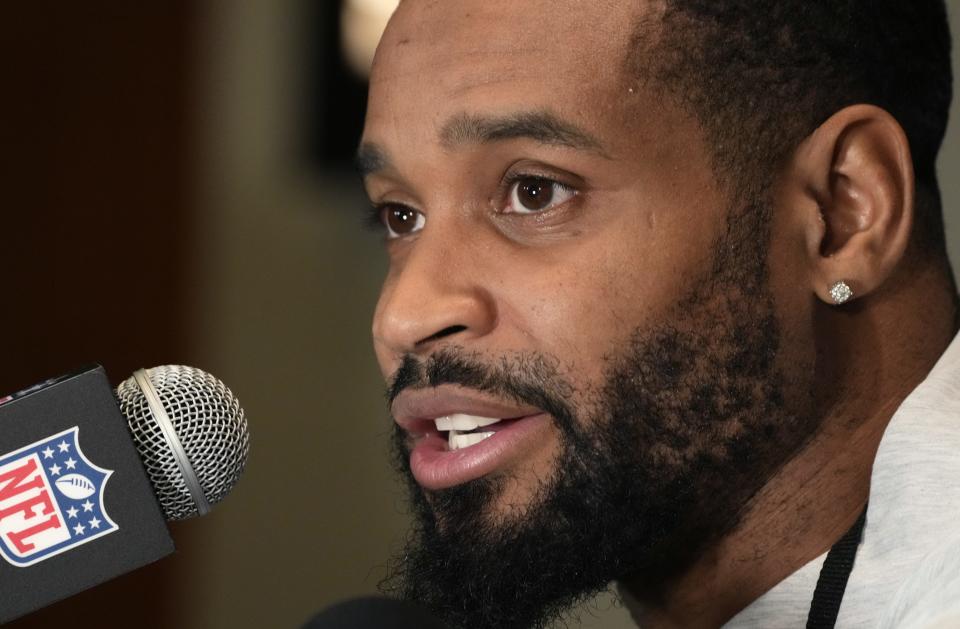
x=875, y=354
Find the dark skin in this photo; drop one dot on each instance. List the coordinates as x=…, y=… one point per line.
x=472, y=103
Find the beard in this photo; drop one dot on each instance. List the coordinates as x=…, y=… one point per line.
x=655, y=464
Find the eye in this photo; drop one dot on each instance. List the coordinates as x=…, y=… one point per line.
x=529, y=195
x=400, y=220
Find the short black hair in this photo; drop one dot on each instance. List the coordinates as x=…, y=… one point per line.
x=761, y=75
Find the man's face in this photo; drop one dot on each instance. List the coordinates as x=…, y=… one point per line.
x=632, y=222
x=561, y=259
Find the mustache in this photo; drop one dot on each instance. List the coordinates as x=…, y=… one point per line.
x=526, y=378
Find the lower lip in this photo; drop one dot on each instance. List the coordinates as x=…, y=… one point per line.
x=436, y=467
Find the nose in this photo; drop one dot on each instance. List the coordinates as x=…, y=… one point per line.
x=435, y=294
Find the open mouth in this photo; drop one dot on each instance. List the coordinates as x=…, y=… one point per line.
x=455, y=448
x=457, y=434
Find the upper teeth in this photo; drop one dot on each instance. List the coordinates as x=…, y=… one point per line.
x=462, y=422
x=459, y=423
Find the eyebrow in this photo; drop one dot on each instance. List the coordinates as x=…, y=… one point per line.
x=370, y=159
x=541, y=126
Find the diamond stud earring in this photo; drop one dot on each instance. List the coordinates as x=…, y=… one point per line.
x=841, y=293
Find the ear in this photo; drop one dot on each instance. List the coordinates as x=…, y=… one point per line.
x=856, y=176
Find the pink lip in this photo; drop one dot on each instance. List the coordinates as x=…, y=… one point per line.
x=436, y=467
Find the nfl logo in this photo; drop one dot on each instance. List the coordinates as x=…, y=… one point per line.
x=51, y=500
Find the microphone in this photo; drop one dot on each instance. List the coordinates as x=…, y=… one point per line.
x=89, y=476
x=373, y=612
x=191, y=434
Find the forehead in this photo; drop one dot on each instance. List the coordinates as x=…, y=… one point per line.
x=461, y=35
x=443, y=58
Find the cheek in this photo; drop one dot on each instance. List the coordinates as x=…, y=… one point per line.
x=585, y=304
x=578, y=311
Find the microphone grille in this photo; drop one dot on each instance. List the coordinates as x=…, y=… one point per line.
x=210, y=427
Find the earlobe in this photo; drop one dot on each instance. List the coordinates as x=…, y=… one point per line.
x=860, y=174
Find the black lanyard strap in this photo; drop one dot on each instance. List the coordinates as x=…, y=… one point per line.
x=834, y=576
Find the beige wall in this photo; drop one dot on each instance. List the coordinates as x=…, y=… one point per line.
x=289, y=279
x=287, y=285
x=949, y=165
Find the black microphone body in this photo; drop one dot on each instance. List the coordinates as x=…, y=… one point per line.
x=76, y=508
x=86, y=490
x=374, y=612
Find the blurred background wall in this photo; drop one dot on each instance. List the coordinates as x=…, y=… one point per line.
x=99, y=206
x=175, y=195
